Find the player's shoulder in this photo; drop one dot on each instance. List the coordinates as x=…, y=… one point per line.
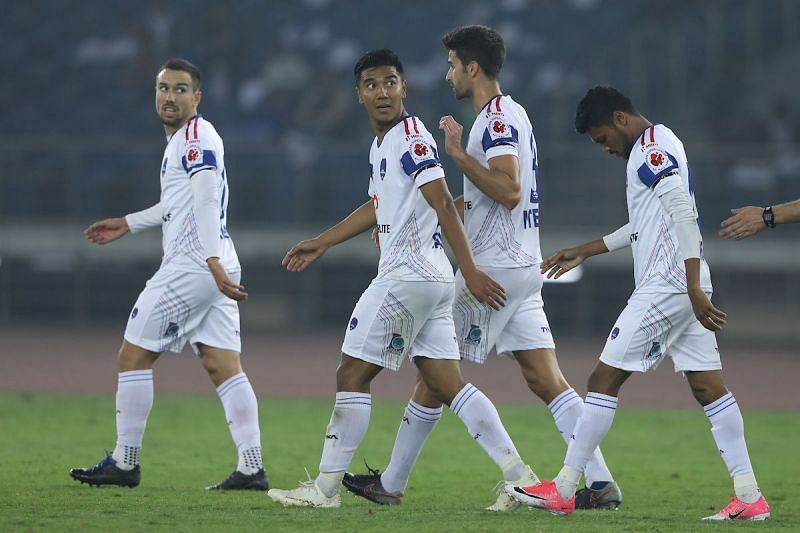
x=412, y=126
x=199, y=130
x=655, y=154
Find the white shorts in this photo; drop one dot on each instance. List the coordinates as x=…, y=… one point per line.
x=654, y=326
x=179, y=307
x=397, y=319
x=520, y=325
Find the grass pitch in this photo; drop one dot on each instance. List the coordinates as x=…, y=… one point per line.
x=665, y=461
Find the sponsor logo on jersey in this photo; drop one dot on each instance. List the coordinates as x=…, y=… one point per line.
x=474, y=335
x=134, y=312
x=498, y=129
x=437, y=240
x=193, y=155
x=545, y=329
x=383, y=168
x=384, y=228
x=614, y=333
x=656, y=159
x=353, y=323
x=420, y=151
x=530, y=218
x=397, y=344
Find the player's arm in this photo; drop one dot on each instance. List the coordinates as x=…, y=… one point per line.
x=566, y=259
x=206, y=205
x=500, y=181
x=460, y=206
x=675, y=201
x=111, y=229
x=747, y=221
x=306, y=252
x=484, y=288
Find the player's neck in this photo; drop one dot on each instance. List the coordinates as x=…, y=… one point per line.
x=381, y=129
x=483, y=92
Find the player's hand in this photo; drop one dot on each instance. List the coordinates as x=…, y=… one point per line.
x=709, y=316
x=303, y=254
x=108, y=230
x=452, y=135
x=225, y=285
x=744, y=222
x=486, y=290
x=376, y=238
x=561, y=262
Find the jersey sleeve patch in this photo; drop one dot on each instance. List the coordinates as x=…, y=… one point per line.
x=196, y=159
x=657, y=164
x=420, y=154
x=499, y=132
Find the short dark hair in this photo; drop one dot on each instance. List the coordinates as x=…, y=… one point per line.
x=377, y=58
x=478, y=43
x=178, y=63
x=598, y=106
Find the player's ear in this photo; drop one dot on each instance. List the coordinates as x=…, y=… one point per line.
x=198, y=95
x=358, y=95
x=620, y=119
x=405, y=88
x=473, y=68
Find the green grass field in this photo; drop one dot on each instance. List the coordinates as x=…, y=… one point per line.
x=665, y=461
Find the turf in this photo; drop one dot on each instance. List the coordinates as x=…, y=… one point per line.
x=665, y=461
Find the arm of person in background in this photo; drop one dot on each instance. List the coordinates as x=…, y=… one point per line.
x=675, y=201
x=206, y=205
x=500, y=181
x=747, y=221
x=306, y=252
x=566, y=259
x=485, y=289
x=111, y=229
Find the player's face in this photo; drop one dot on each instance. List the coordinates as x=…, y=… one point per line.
x=613, y=139
x=457, y=77
x=176, y=98
x=381, y=91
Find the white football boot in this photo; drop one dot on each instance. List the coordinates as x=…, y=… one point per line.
x=505, y=502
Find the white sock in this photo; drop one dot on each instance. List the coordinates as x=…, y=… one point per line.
x=415, y=428
x=241, y=412
x=134, y=401
x=727, y=427
x=483, y=423
x=346, y=429
x=594, y=423
x=566, y=409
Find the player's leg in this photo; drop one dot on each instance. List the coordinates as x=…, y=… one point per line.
x=241, y=413
x=346, y=428
x=134, y=400
x=443, y=379
x=544, y=378
x=421, y=415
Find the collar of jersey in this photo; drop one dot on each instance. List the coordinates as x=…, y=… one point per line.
x=390, y=129
x=490, y=101
x=197, y=115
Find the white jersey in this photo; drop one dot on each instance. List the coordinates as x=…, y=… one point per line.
x=196, y=146
x=658, y=156
x=410, y=237
x=502, y=238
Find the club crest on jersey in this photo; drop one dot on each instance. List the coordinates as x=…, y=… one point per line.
x=397, y=344
x=383, y=168
x=614, y=333
x=474, y=335
x=353, y=323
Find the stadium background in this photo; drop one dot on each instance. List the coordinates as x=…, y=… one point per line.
x=79, y=141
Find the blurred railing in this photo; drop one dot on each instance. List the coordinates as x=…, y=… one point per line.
x=50, y=274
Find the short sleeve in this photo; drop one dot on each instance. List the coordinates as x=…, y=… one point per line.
x=200, y=151
x=420, y=158
x=500, y=136
x=658, y=163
